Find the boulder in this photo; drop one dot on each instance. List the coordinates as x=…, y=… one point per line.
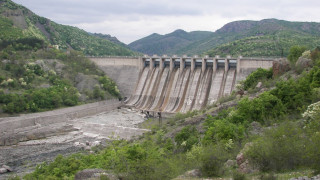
x=240, y=158
x=307, y=178
x=244, y=165
x=193, y=173
x=87, y=174
x=95, y=143
x=280, y=66
x=304, y=63
x=7, y=168
x=3, y=170
x=255, y=128
x=259, y=85
x=230, y=163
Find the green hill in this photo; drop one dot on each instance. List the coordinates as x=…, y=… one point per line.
x=269, y=37
x=35, y=76
x=20, y=25
x=169, y=43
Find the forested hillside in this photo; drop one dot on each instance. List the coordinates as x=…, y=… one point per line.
x=269, y=37
x=168, y=44
x=46, y=79
x=21, y=27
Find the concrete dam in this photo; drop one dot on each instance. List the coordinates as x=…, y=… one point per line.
x=177, y=84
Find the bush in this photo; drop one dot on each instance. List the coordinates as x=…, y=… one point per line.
x=262, y=109
x=223, y=130
x=213, y=159
x=295, y=52
x=238, y=176
x=257, y=75
x=279, y=149
x=187, y=137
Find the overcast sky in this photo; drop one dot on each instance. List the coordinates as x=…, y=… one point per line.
x=130, y=20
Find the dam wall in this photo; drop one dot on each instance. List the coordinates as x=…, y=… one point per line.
x=177, y=84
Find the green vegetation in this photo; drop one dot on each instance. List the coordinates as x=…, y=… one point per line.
x=28, y=31
x=169, y=44
x=256, y=76
x=28, y=84
x=34, y=76
x=265, y=38
x=289, y=140
x=295, y=53
x=275, y=45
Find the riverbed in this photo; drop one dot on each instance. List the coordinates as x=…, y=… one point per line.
x=88, y=131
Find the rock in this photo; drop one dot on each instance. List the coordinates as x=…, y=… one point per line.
x=304, y=63
x=78, y=144
x=259, y=85
x=7, y=168
x=93, y=174
x=243, y=163
x=95, y=143
x=280, y=66
x=193, y=173
x=230, y=163
x=255, y=128
x=245, y=167
x=3, y=170
x=240, y=158
x=240, y=92
x=317, y=177
x=307, y=178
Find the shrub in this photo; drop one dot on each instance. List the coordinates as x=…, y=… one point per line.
x=257, y=75
x=262, y=109
x=187, y=137
x=295, y=52
x=213, y=159
x=223, y=130
x=281, y=148
x=238, y=176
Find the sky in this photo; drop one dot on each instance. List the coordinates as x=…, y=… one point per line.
x=130, y=20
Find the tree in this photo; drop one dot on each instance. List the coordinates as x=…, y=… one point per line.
x=295, y=52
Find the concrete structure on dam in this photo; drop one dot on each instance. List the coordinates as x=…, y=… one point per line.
x=177, y=84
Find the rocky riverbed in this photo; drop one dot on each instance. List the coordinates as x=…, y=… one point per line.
x=88, y=132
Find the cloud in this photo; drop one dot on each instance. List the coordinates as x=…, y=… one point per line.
x=130, y=20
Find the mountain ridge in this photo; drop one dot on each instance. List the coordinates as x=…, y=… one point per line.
x=66, y=37
x=283, y=34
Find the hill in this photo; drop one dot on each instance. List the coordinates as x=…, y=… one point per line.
x=269, y=37
x=169, y=43
x=35, y=75
x=109, y=38
x=20, y=25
